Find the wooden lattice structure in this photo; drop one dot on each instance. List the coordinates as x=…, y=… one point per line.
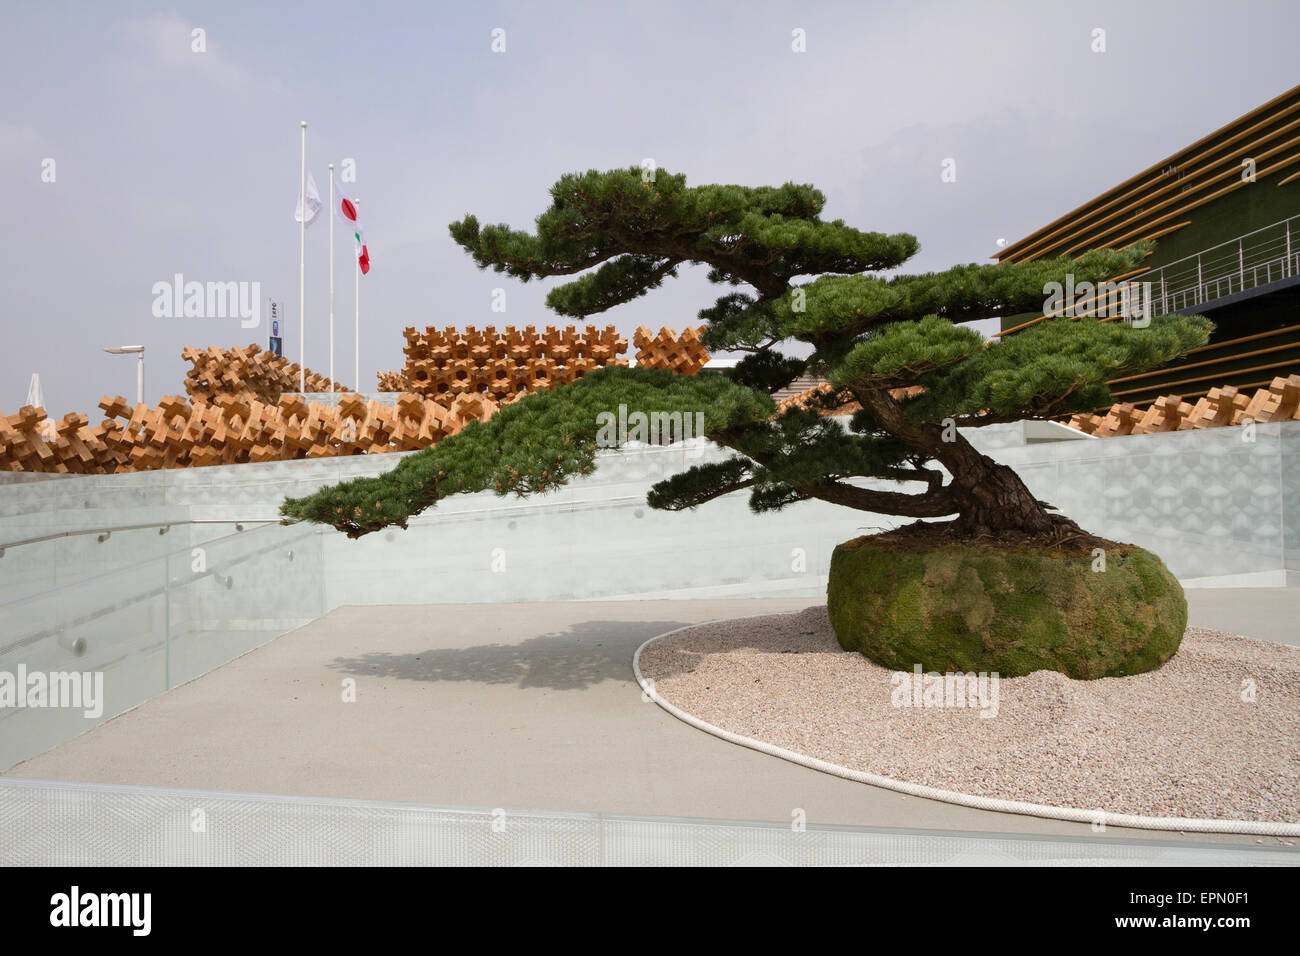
x=684, y=354
x=177, y=433
x=232, y=428
x=244, y=405
x=444, y=363
x=1279, y=402
x=248, y=372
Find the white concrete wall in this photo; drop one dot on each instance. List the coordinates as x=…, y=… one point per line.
x=1218, y=509
x=1213, y=506
x=592, y=539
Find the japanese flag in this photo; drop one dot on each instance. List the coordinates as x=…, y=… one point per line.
x=345, y=210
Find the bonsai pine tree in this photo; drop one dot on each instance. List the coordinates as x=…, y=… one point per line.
x=890, y=346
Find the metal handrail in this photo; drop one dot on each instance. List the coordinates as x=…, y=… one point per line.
x=1187, y=282
x=162, y=526
x=1229, y=242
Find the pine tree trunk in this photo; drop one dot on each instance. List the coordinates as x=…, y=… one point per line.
x=992, y=498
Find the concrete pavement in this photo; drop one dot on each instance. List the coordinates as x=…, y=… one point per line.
x=511, y=705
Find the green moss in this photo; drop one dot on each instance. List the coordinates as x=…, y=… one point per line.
x=1011, y=611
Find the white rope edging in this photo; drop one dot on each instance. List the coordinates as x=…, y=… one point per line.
x=1073, y=814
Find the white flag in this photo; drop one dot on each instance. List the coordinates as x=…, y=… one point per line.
x=35, y=394
x=314, y=203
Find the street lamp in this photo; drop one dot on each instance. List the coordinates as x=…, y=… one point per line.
x=138, y=351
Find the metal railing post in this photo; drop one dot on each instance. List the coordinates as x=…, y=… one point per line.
x=1241, y=267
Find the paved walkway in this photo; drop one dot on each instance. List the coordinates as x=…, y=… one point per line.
x=529, y=706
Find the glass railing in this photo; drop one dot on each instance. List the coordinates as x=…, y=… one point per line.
x=51, y=558
x=83, y=651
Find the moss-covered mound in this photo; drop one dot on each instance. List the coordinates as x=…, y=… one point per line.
x=1013, y=610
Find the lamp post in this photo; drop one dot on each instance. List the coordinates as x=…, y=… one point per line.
x=138, y=352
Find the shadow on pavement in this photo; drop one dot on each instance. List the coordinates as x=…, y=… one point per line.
x=574, y=659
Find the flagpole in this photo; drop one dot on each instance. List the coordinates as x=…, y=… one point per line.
x=302, y=265
x=331, y=277
x=356, y=342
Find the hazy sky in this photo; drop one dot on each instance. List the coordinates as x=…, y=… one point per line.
x=172, y=161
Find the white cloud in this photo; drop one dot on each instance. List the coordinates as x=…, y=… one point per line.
x=169, y=42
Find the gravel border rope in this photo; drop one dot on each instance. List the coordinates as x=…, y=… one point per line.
x=1073, y=814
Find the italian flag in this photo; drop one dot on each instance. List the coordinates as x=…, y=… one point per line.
x=346, y=212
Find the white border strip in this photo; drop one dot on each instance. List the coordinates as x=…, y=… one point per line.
x=1074, y=814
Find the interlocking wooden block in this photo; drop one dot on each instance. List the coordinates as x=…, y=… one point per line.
x=217, y=373
x=1222, y=406
x=1166, y=414
x=1219, y=407
x=683, y=354
x=1120, y=420
x=449, y=362
x=1279, y=402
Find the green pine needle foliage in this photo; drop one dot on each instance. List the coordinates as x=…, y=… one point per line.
x=622, y=233
x=531, y=446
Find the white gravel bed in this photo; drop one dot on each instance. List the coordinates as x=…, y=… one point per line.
x=1187, y=740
